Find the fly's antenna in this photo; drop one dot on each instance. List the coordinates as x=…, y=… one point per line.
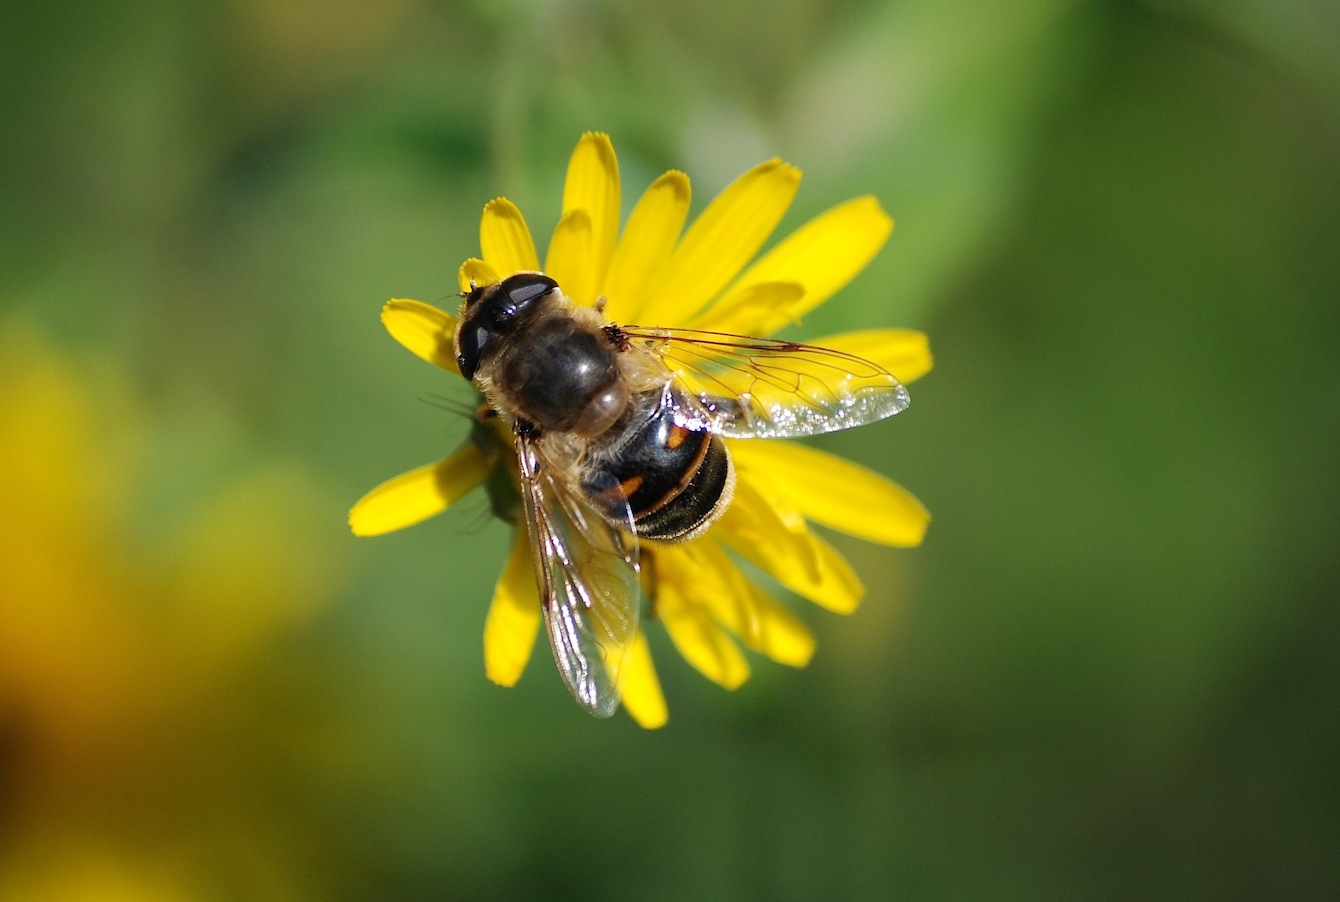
x=450, y=405
x=465, y=294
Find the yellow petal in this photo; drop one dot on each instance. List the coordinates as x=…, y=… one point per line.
x=759, y=518
x=721, y=241
x=699, y=639
x=711, y=579
x=768, y=530
x=823, y=576
x=514, y=617
x=838, y=588
x=779, y=634
x=904, y=353
x=740, y=310
x=419, y=494
x=823, y=255
x=475, y=272
x=836, y=492
x=641, y=690
x=648, y=240
x=505, y=240
x=427, y=331
x=753, y=615
x=592, y=184
x=569, y=258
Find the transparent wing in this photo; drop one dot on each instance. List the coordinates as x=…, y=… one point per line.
x=746, y=387
x=588, y=583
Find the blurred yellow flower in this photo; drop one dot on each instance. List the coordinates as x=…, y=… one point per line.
x=121, y=669
x=703, y=279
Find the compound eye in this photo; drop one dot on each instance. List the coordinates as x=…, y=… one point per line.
x=519, y=294
x=471, y=343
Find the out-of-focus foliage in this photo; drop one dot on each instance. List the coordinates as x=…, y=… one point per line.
x=1111, y=671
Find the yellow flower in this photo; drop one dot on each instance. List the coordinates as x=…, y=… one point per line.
x=657, y=273
x=122, y=672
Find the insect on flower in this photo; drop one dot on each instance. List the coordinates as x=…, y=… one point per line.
x=618, y=435
x=627, y=458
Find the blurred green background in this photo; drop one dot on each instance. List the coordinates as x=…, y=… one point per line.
x=1111, y=672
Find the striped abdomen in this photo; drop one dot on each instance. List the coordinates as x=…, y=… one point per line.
x=677, y=480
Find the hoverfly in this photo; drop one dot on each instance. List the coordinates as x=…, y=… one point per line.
x=619, y=437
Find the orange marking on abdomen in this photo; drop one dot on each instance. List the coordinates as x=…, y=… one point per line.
x=676, y=437
x=621, y=492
